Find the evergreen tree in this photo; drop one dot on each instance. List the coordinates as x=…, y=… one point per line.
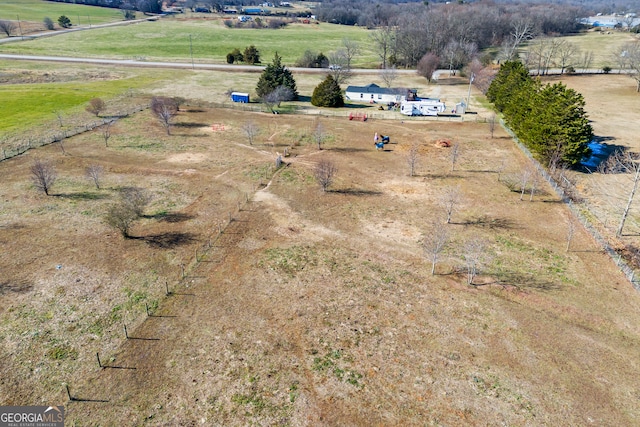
x=251, y=55
x=328, y=94
x=549, y=120
x=511, y=77
x=274, y=75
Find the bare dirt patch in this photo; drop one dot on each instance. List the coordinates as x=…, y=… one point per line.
x=309, y=308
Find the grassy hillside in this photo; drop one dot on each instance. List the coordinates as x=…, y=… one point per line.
x=37, y=10
x=173, y=39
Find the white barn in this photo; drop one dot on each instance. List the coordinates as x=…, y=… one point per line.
x=379, y=95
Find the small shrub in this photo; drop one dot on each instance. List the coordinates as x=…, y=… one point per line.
x=606, y=69
x=48, y=23
x=64, y=21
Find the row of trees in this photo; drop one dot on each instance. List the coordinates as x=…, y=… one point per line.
x=549, y=119
x=250, y=55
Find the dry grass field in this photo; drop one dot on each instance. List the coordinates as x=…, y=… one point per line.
x=309, y=308
x=613, y=106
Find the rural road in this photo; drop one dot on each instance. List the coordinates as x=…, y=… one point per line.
x=183, y=65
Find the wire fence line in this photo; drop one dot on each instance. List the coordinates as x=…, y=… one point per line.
x=13, y=146
x=340, y=112
x=565, y=190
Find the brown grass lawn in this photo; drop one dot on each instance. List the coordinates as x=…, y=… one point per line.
x=612, y=105
x=310, y=308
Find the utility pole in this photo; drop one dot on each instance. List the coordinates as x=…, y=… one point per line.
x=469, y=93
x=20, y=27
x=193, y=67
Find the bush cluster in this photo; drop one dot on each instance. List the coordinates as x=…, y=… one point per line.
x=251, y=55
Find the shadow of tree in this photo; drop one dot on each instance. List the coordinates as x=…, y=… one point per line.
x=18, y=287
x=356, y=192
x=170, y=217
x=168, y=240
x=191, y=125
x=83, y=195
x=486, y=221
x=524, y=281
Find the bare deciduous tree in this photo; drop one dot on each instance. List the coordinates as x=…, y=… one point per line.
x=389, y=75
x=383, y=40
x=632, y=52
x=58, y=114
x=7, y=27
x=449, y=200
x=571, y=229
x=324, y=173
x=435, y=241
x=319, y=134
x=339, y=67
x=277, y=96
x=428, y=65
x=250, y=130
x=94, y=173
x=351, y=49
x=523, y=179
x=135, y=198
x=566, y=53
x=121, y=217
x=106, y=132
x=535, y=181
x=475, y=256
x=492, y=124
x=454, y=154
x=96, y=106
x=413, y=155
x=164, y=109
x=43, y=175
x=623, y=161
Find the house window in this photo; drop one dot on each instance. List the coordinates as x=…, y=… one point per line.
x=371, y=96
x=361, y=95
x=379, y=96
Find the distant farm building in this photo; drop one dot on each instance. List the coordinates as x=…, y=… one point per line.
x=382, y=95
x=255, y=11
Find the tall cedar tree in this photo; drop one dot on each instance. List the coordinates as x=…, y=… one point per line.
x=274, y=75
x=547, y=119
x=328, y=94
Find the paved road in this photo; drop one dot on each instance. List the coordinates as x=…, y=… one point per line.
x=73, y=29
x=182, y=65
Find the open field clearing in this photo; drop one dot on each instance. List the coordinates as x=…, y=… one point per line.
x=601, y=44
x=26, y=84
x=309, y=308
x=169, y=39
x=33, y=12
x=612, y=104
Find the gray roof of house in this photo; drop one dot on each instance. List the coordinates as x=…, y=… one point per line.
x=375, y=89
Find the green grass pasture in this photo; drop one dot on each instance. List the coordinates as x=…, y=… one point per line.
x=37, y=10
x=25, y=105
x=172, y=40
x=602, y=44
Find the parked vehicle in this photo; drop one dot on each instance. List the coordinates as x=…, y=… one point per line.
x=423, y=107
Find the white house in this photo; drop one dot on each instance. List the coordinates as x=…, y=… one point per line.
x=380, y=95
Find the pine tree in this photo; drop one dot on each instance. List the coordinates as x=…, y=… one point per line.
x=274, y=75
x=328, y=94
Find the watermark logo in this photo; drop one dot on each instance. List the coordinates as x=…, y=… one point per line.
x=31, y=416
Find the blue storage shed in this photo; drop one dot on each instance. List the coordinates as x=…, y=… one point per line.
x=240, y=97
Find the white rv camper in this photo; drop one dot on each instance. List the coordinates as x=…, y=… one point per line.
x=423, y=107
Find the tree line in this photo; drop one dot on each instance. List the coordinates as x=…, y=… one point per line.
x=548, y=119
